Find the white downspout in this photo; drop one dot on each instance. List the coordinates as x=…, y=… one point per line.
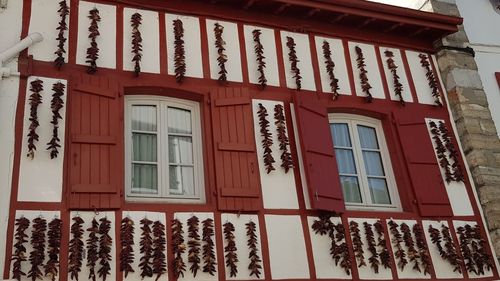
x=16, y=49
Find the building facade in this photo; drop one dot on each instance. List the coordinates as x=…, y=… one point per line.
x=232, y=140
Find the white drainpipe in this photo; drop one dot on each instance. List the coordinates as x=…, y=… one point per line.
x=16, y=49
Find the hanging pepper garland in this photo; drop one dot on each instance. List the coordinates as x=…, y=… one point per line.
x=450, y=249
x=431, y=78
x=435, y=235
x=93, y=249
x=194, y=244
x=135, y=22
x=159, y=246
x=372, y=247
x=422, y=249
x=37, y=255
x=255, y=261
x=179, y=51
x=441, y=151
x=75, y=248
x=208, y=252
x=178, y=248
x=260, y=58
x=413, y=254
x=19, y=255
x=61, y=40
x=357, y=244
x=452, y=152
x=221, y=55
x=469, y=260
x=55, y=105
x=284, y=142
x=127, y=244
x=146, y=248
x=267, y=140
x=479, y=244
x=398, y=87
x=330, y=66
x=385, y=257
x=105, y=243
x=54, y=246
x=230, y=250
x=293, y=59
x=35, y=100
x=396, y=241
x=365, y=84
x=93, y=50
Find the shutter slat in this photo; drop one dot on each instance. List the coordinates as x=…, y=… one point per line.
x=89, y=139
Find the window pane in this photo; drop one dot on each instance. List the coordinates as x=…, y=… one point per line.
x=180, y=150
x=345, y=161
x=378, y=191
x=340, y=134
x=144, y=179
x=182, y=180
x=373, y=163
x=144, y=147
x=367, y=137
x=144, y=118
x=350, y=188
x=179, y=121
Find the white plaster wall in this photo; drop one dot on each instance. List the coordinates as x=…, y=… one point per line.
x=374, y=76
x=241, y=238
x=340, y=70
x=366, y=272
x=45, y=19
x=287, y=250
x=303, y=50
x=192, y=43
x=31, y=215
x=203, y=276
x=11, y=24
x=278, y=187
x=480, y=21
x=106, y=42
x=150, y=32
x=408, y=272
x=442, y=267
x=115, y=235
x=268, y=41
x=230, y=36
x=457, y=192
x=137, y=216
x=40, y=178
x=403, y=79
x=424, y=92
x=323, y=261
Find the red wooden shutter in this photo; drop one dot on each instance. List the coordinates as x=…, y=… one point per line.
x=320, y=165
x=95, y=165
x=425, y=175
x=237, y=173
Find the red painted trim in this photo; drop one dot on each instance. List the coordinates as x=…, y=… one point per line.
x=350, y=70
x=315, y=64
x=382, y=73
x=163, y=44
x=73, y=31
x=264, y=247
x=409, y=77
x=120, y=37
x=243, y=53
x=118, y=220
x=280, y=59
x=205, y=55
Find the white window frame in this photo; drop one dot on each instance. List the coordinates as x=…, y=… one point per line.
x=162, y=103
x=353, y=121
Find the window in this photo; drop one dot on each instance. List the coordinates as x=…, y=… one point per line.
x=163, y=150
x=363, y=162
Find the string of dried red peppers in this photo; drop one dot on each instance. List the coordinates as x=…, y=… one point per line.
x=413, y=254
x=260, y=58
x=457, y=174
x=230, y=250
x=54, y=245
x=221, y=55
x=194, y=244
x=127, y=244
x=398, y=87
x=365, y=84
x=179, y=51
x=385, y=257
x=451, y=253
x=357, y=244
x=146, y=248
x=178, y=248
x=431, y=78
x=61, y=40
x=267, y=140
x=208, y=252
x=159, y=246
x=330, y=66
x=284, y=142
x=105, y=243
x=396, y=241
x=293, y=59
x=255, y=262
x=93, y=50
x=441, y=151
x=135, y=22
x=372, y=247
x=55, y=105
x=37, y=255
x=35, y=100
x=422, y=249
x=472, y=246
x=93, y=249
x=75, y=248
x=479, y=244
x=19, y=255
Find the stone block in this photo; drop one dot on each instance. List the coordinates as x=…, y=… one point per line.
x=463, y=78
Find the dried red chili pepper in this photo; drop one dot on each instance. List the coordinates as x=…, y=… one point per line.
x=450, y=249
x=396, y=241
x=441, y=151
x=54, y=245
x=436, y=240
x=365, y=84
x=267, y=140
x=61, y=29
x=413, y=254
x=466, y=251
x=75, y=248
x=93, y=50
x=221, y=55
x=93, y=249
x=55, y=105
x=372, y=247
x=135, y=22
x=457, y=174
x=341, y=251
x=284, y=142
x=127, y=246
x=398, y=87
x=105, y=243
x=422, y=248
x=483, y=258
x=146, y=248
x=385, y=257
x=431, y=78
x=37, y=255
x=178, y=248
x=208, y=252
x=35, y=100
x=292, y=57
x=194, y=244
x=19, y=255
x=357, y=244
x=255, y=262
x=330, y=66
x=260, y=58
x=159, y=246
x=179, y=51
x=230, y=250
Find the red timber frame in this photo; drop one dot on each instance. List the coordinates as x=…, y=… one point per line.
x=348, y=19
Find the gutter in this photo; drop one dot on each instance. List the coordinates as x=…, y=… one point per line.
x=15, y=50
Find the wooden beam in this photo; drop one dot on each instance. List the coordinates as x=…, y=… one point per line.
x=366, y=22
x=281, y=8
x=310, y=13
x=338, y=18
x=418, y=31
x=393, y=27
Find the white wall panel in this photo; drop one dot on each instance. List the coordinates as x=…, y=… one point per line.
x=403, y=78
x=303, y=51
x=374, y=77
x=11, y=24
x=424, y=92
x=230, y=36
x=340, y=70
x=268, y=41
